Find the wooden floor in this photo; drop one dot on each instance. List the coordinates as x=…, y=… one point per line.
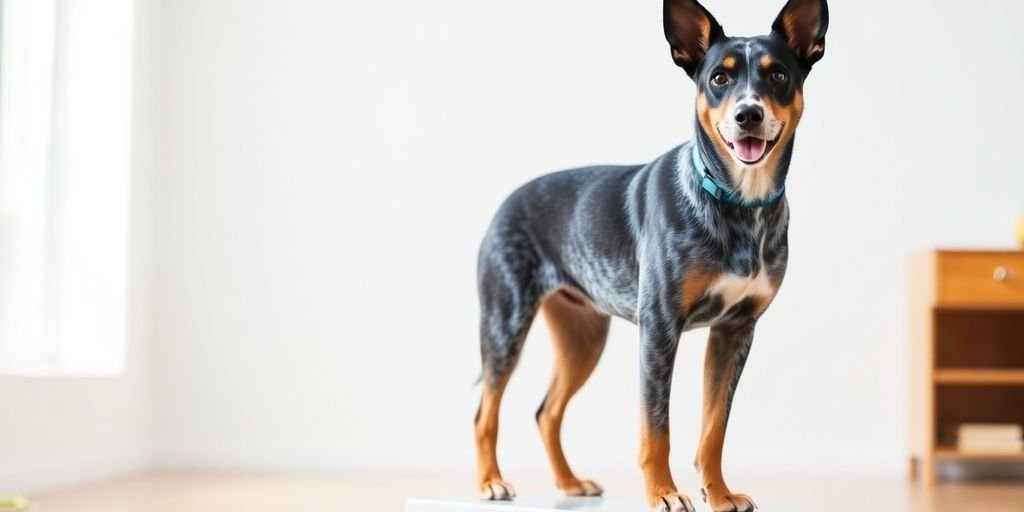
x=219, y=492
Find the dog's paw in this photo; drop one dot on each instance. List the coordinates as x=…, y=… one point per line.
x=672, y=502
x=497, y=489
x=729, y=502
x=581, y=488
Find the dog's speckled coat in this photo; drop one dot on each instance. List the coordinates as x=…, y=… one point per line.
x=648, y=244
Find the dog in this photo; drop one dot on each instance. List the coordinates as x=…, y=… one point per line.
x=696, y=238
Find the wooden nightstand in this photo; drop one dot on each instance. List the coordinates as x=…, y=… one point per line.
x=967, y=351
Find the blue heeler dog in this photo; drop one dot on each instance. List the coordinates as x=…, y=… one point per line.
x=695, y=238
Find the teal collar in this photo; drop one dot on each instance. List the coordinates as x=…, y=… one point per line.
x=723, y=194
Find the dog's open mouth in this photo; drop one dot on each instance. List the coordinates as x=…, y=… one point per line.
x=750, y=149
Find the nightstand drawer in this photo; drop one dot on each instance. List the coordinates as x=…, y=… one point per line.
x=981, y=279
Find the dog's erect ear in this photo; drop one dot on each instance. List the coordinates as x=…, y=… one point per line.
x=690, y=30
x=802, y=23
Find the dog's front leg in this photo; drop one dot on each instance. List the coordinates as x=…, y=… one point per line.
x=659, y=337
x=728, y=346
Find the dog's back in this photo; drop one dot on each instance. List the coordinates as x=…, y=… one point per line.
x=572, y=229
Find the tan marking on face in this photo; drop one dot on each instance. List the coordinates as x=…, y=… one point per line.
x=729, y=62
x=766, y=61
x=757, y=182
x=710, y=118
x=790, y=117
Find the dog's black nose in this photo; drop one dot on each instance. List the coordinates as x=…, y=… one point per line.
x=749, y=116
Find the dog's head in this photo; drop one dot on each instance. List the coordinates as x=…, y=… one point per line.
x=749, y=89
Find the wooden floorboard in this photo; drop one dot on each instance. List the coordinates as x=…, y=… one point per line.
x=224, y=492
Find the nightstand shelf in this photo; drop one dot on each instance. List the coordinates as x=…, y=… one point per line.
x=979, y=376
x=967, y=351
x=954, y=454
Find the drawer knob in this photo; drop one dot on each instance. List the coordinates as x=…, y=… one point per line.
x=1000, y=274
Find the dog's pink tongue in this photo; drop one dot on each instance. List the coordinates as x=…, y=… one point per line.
x=750, y=149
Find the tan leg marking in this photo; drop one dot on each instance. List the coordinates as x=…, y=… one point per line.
x=662, y=495
x=489, y=481
x=712, y=439
x=578, y=333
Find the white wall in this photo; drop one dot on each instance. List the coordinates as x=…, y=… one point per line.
x=326, y=170
x=57, y=431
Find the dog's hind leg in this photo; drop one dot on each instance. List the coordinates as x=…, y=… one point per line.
x=489, y=480
x=578, y=333
x=509, y=298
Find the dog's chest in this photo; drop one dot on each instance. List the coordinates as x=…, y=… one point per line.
x=732, y=288
x=741, y=286
x=719, y=295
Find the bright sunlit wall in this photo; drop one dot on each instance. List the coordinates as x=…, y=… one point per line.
x=74, y=394
x=65, y=83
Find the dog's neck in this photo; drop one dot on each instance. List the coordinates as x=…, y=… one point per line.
x=718, y=178
x=714, y=214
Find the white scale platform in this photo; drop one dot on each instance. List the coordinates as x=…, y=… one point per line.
x=538, y=504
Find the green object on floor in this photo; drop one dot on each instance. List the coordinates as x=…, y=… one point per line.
x=14, y=503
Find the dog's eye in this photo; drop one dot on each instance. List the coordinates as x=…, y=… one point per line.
x=719, y=79
x=779, y=77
